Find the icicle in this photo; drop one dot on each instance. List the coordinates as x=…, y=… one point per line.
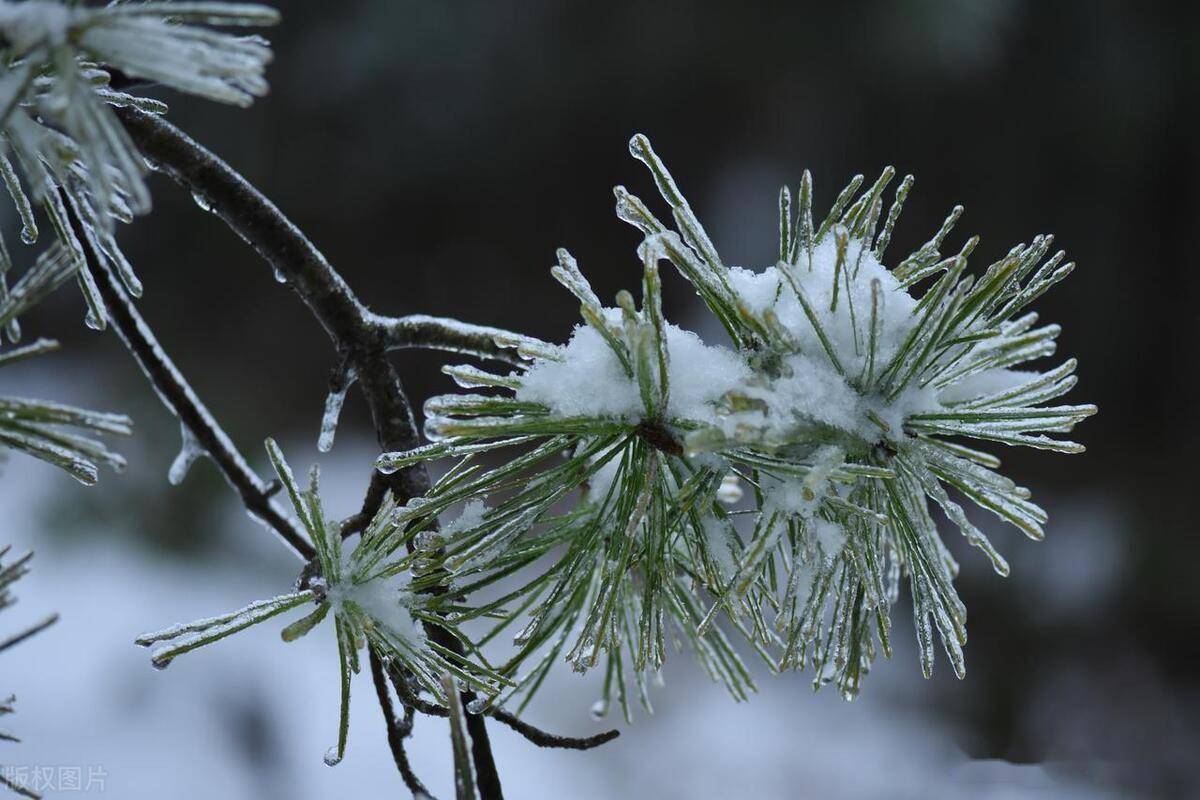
x=333, y=409
x=189, y=451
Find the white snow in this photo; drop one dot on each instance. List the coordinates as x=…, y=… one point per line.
x=385, y=600
x=470, y=517
x=768, y=289
x=830, y=535
x=590, y=381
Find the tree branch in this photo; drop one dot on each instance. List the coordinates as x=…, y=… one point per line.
x=531, y=732
x=545, y=739
x=183, y=402
x=358, y=335
x=397, y=731
x=443, y=333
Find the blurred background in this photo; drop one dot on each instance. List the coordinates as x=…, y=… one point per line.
x=438, y=153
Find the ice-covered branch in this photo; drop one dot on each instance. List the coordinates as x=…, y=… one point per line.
x=443, y=333
x=175, y=392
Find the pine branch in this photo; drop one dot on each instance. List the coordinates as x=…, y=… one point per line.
x=180, y=398
x=358, y=335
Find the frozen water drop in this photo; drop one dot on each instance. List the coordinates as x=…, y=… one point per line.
x=279, y=276
x=332, y=757
x=202, y=201
x=329, y=420
x=189, y=451
x=730, y=490
x=29, y=233
x=599, y=709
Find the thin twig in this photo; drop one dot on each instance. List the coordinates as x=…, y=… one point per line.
x=534, y=734
x=183, y=402
x=18, y=788
x=397, y=730
x=545, y=739
x=34, y=631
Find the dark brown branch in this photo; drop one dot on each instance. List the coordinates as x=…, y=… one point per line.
x=531, y=732
x=358, y=335
x=179, y=397
x=545, y=739
x=397, y=730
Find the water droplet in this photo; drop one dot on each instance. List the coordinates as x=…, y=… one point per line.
x=599, y=709
x=201, y=201
x=332, y=758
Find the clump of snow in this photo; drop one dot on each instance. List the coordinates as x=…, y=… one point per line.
x=470, y=517
x=811, y=392
x=602, y=479
x=590, y=381
x=808, y=390
x=830, y=535
x=385, y=600
x=770, y=290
